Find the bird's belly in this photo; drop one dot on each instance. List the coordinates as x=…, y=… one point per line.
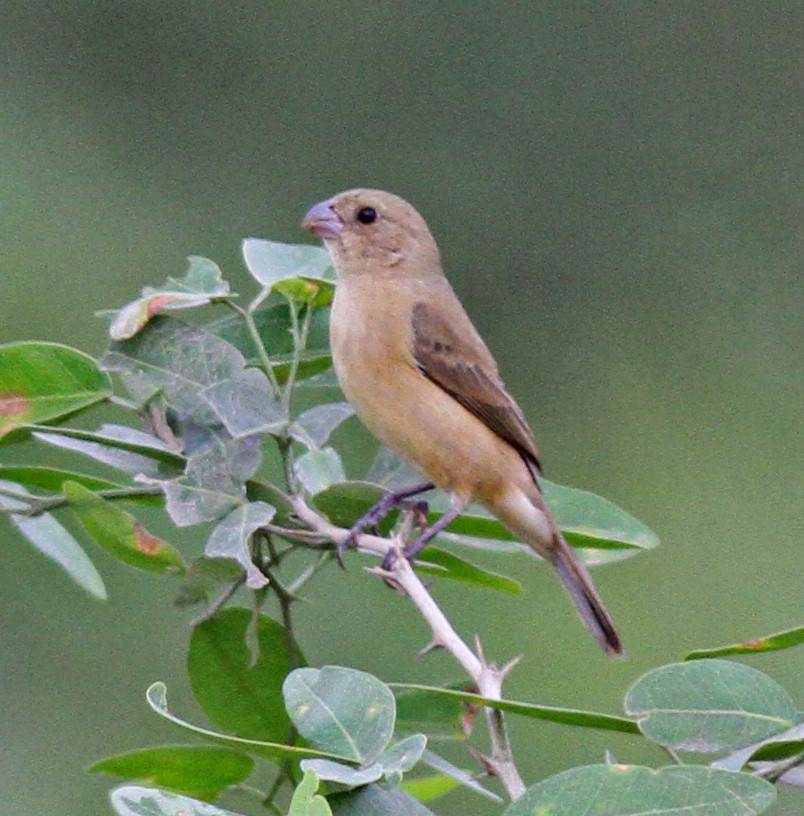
x=421, y=422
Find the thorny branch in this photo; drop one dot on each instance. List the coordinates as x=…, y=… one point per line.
x=486, y=676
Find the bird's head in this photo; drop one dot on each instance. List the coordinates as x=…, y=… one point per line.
x=366, y=230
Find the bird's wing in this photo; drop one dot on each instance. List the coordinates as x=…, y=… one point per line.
x=460, y=363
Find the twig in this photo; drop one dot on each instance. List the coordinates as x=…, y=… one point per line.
x=43, y=504
x=265, y=361
x=300, y=333
x=486, y=676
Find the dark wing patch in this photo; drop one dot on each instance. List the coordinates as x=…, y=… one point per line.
x=469, y=375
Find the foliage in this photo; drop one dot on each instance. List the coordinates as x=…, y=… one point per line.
x=208, y=416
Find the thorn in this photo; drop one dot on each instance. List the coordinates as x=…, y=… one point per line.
x=486, y=763
x=388, y=578
x=510, y=665
x=479, y=647
x=430, y=647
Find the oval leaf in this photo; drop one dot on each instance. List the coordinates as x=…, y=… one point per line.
x=315, y=426
x=305, y=801
x=53, y=541
x=341, y=710
x=232, y=538
x=40, y=382
x=319, y=469
x=631, y=790
x=119, y=533
x=300, y=271
x=374, y=800
x=131, y=800
x=238, y=693
x=199, y=286
x=201, y=771
x=709, y=706
x=347, y=775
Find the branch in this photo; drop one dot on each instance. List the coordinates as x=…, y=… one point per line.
x=486, y=676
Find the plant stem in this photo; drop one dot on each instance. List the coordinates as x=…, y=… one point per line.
x=43, y=504
x=265, y=361
x=300, y=333
x=486, y=676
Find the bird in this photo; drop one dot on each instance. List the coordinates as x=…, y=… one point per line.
x=420, y=377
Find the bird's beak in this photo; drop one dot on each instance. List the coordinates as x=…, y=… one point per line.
x=323, y=221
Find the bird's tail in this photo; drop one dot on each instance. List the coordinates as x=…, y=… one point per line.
x=578, y=583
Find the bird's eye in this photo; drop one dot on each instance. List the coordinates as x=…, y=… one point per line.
x=368, y=215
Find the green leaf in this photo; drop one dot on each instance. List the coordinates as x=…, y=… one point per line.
x=178, y=361
x=566, y=716
x=344, y=502
x=315, y=426
x=317, y=470
x=245, y=406
x=131, y=800
x=588, y=522
x=239, y=694
x=199, y=286
x=769, y=643
x=341, y=710
x=460, y=776
x=232, y=538
x=434, y=714
x=51, y=479
x=374, y=800
x=341, y=774
x=276, y=752
x=274, y=328
x=305, y=801
x=311, y=363
x=632, y=790
x=591, y=522
x=602, y=530
x=53, y=541
x=127, y=449
x=199, y=771
x=789, y=743
x=119, y=533
x=41, y=382
x=400, y=757
x=214, y=482
x=299, y=271
x=427, y=788
x=389, y=471
x=449, y=565
x=391, y=764
x=203, y=578
x=709, y=706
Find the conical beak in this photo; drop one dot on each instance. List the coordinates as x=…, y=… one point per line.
x=323, y=221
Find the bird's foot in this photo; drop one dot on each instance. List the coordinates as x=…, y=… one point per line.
x=410, y=551
x=393, y=500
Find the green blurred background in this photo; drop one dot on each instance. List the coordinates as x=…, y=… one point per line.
x=617, y=192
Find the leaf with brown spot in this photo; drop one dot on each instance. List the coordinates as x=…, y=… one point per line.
x=769, y=643
x=41, y=382
x=119, y=533
x=199, y=286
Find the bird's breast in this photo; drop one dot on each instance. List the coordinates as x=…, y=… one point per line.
x=371, y=339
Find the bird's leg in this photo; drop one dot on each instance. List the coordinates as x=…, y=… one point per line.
x=393, y=500
x=412, y=550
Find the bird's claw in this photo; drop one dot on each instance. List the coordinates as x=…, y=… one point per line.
x=395, y=500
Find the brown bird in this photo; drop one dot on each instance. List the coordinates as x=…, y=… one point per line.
x=423, y=381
